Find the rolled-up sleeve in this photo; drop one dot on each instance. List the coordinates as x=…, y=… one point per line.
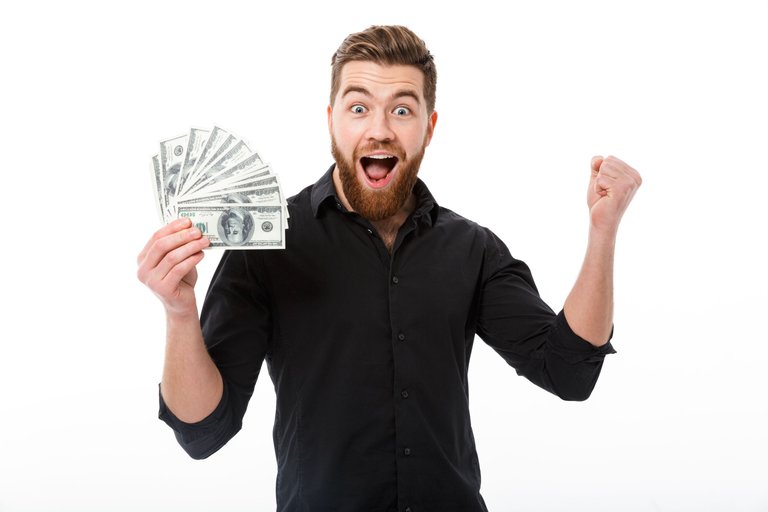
x=202, y=438
x=526, y=332
x=235, y=321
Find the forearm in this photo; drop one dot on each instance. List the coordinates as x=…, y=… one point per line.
x=191, y=385
x=589, y=306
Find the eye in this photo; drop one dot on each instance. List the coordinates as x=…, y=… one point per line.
x=402, y=111
x=358, y=109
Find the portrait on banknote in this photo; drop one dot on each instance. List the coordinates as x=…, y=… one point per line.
x=235, y=226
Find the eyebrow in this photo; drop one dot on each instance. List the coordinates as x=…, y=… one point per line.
x=401, y=93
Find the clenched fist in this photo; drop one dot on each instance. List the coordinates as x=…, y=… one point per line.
x=611, y=188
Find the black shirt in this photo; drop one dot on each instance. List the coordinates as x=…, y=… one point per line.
x=368, y=352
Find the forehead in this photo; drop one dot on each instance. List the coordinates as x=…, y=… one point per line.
x=381, y=79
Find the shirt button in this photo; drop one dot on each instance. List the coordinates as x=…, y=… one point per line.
x=407, y=452
x=404, y=394
x=369, y=230
x=401, y=337
x=395, y=279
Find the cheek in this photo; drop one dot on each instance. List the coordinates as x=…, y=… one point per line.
x=346, y=139
x=415, y=141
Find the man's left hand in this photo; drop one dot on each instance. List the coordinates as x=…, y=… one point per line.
x=611, y=188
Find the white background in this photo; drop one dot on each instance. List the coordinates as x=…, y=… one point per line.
x=525, y=97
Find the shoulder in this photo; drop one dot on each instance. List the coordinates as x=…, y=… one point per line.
x=453, y=223
x=478, y=240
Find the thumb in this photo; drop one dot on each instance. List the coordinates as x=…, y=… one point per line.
x=597, y=161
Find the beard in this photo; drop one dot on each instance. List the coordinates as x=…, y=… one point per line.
x=379, y=204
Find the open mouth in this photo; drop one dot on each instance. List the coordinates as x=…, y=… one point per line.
x=378, y=169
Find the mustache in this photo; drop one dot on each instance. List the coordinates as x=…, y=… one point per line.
x=394, y=149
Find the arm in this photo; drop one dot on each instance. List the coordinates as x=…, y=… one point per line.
x=589, y=306
x=191, y=384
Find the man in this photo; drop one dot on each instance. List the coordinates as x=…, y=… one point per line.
x=367, y=319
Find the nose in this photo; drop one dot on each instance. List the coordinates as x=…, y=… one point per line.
x=379, y=128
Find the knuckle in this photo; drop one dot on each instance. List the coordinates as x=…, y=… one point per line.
x=173, y=257
x=178, y=272
x=154, y=286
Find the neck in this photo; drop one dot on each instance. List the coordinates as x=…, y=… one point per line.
x=388, y=228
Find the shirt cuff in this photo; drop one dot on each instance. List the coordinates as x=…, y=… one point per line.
x=572, y=347
x=191, y=431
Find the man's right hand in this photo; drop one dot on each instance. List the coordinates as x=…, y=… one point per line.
x=167, y=266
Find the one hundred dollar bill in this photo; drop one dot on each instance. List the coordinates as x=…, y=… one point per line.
x=157, y=187
x=213, y=194
x=242, y=164
x=172, y=153
x=195, y=143
x=262, y=180
x=249, y=169
x=238, y=226
x=261, y=195
x=212, y=143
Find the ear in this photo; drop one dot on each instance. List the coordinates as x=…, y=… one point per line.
x=431, y=127
x=330, y=119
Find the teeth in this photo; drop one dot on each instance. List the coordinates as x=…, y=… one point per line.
x=380, y=157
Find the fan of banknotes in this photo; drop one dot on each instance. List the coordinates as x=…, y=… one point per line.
x=213, y=178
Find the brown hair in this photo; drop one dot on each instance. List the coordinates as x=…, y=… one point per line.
x=388, y=45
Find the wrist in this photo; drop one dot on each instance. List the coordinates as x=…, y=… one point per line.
x=182, y=316
x=603, y=234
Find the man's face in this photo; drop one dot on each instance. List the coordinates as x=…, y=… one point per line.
x=379, y=129
x=233, y=228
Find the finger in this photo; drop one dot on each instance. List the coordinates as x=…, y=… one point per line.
x=166, y=230
x=181, y=270
x=161, y=248
x=597, y=161
x=167, y=289
x=617, y=168
x=165, y=275
x=179, y=254
x=603, y=183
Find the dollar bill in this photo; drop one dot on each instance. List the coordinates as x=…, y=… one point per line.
x=212, y=143
x=209, y=194
x=247, y=169
x=263, y=179
x=234, y=154
x=195, y=143
x=238, y=226
x=213, y=177
x=157, y=186
x=264, y=196
x=172, y=153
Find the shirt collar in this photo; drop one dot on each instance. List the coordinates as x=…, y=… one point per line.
x=324, y=191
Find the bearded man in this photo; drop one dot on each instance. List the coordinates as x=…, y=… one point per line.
x=367, y=319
